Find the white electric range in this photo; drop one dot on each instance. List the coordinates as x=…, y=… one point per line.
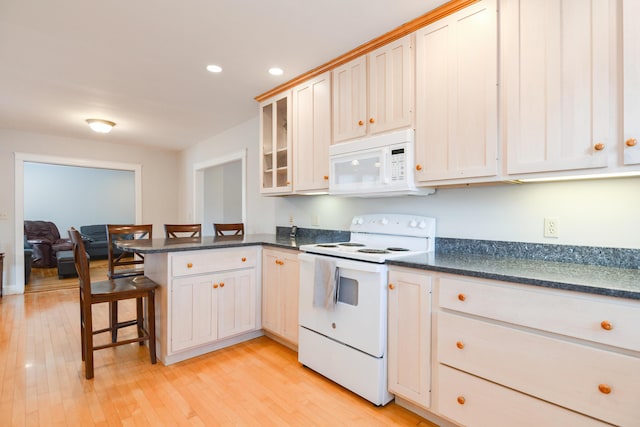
x=378, y=237
x=343, y=300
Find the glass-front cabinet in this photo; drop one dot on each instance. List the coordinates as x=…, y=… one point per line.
x=275, y=145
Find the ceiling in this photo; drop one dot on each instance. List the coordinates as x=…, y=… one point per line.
x=141, y=63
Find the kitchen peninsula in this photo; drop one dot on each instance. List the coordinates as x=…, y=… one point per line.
x=209, y=294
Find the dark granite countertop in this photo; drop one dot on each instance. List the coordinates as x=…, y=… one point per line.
x=594, y=279
x=211, y=242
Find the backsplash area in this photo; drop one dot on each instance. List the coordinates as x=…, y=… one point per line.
x=589, y=255
x=314, y=235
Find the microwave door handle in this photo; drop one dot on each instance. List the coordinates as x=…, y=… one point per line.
x=383, y=166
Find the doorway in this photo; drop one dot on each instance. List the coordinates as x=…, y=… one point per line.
x=20, y=160
x=220, y=191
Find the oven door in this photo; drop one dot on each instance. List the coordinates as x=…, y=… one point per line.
x=359, y=318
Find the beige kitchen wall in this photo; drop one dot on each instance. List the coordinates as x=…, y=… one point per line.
x=243, y=137
x=159, y=179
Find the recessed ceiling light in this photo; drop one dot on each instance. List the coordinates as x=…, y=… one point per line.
x=100, y=125
x=214, y=68
x=276, y=71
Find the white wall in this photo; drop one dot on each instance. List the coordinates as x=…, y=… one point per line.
x=232, y=192
x=260, y=210
x=159, y=178
x=213, y=191
x=590, y=212
x=108, y=196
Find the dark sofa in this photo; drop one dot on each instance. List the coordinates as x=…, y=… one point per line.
x=95, y=240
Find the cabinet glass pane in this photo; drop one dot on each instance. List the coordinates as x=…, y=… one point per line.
x=267, y=146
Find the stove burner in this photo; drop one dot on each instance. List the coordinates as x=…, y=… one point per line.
x=352, y=244
x=373, y=251
x=327, y=245
x=397, y=249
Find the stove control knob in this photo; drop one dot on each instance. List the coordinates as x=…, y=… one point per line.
x=357, y=221
x=413, y=223
x=384, y=221
x=422, y=224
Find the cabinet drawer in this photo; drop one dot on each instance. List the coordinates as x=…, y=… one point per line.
x=580, y=316
x=560, y=372
x=198, y=262
x=472, y=401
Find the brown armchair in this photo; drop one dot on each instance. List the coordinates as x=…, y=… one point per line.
x=45, y=240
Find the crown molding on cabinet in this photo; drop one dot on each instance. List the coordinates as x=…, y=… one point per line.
x=407, y=28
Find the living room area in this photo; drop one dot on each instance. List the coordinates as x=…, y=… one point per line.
x=51, y=207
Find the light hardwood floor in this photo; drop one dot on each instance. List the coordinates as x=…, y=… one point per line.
x=255, y=383
x=46, y=279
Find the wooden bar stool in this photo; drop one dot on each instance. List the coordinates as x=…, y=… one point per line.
x=110, y=291
x=124, y=264
x=182, y=230
x=221, y=228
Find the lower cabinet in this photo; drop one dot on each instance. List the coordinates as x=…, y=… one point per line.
x=409, y=336
x=280, y=283
x=534, y=356
x=208, y=299
x=213, y=306
x=492, y=353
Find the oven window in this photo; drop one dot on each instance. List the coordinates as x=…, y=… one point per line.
x=348, y=291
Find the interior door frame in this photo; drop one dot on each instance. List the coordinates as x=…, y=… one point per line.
x=198, y=179
x=20, y=159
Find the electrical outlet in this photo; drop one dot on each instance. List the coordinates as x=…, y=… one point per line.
x=290, y=219
x=4, y=216
x=315, y=221
x=551, y=227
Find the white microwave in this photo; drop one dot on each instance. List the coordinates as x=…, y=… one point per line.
x=375, y=166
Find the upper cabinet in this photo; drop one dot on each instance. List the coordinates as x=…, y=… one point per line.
x=275, y=144
x=374, y=93
x=631, y=81
x=556, y=85
x=456, y=103
x=312, y=134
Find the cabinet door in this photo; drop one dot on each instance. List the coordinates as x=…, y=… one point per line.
x=290, y=279
x=631, y=61
x=312, y=134
x=391, y=88
x=281, y=277
x=410, y=336
x=270, y=291
x=275, y=144
x=236, y=302
x=350, y=100
x=456, y=82
x=556, y=86
x=193, y=312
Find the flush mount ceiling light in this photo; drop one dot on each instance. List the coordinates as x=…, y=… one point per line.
x=214, y=68
x=100, y=126
x=276, y=71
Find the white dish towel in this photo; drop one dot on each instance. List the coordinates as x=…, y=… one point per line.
x=325, y=287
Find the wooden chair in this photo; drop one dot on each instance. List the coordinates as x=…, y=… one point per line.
x=172, y=230
x=123, y=264
x=221, y=228
x=109, y=291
